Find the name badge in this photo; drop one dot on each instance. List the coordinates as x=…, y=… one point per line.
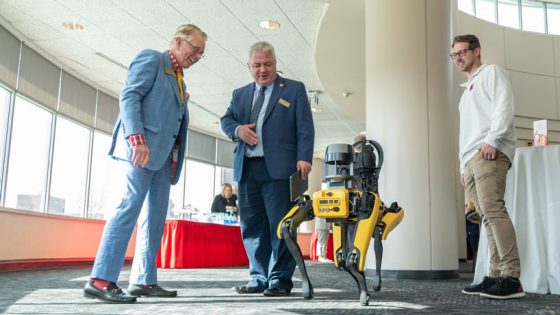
x=170, y=72
x=284, y=103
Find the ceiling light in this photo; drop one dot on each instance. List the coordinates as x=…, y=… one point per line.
x=120, y=65
x=73, y=26
x=269, y=25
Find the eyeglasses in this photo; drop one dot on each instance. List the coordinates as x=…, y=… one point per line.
x=196, y=49
x=460, y=53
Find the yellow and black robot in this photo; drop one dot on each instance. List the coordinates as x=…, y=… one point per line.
x=351, y=203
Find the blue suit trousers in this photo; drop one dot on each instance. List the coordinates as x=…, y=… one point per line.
x=263, y=202
x=142, y=185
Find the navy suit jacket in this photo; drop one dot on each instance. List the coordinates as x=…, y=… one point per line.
x=287, y=132
x=150, y=104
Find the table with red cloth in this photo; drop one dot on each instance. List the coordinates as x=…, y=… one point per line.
x=313, y=250
x=188, y=244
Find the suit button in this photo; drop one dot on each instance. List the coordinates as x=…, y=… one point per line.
x=179, y=120
x=174, y=136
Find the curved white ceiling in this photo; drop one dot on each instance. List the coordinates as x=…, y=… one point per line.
x=119, y=29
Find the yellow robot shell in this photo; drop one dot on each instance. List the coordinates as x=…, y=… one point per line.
x=331, y=203
x=391, y=220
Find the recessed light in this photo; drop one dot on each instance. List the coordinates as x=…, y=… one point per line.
x=269, y=25
x=73, y=26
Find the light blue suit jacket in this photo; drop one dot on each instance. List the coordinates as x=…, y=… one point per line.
x=287, y=132
x=150, y=104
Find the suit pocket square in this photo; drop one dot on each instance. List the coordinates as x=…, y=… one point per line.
x=284, y=103
x=170, y=72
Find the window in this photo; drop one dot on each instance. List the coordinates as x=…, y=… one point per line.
x=508, y=13
x=176, y=196
x=108, y=179
x=486, y=10
x=4, y=103
x=533, y=16
x=466, y=6
x=533, y=13
x=223, y=175
x=199, y=187
x=29, y=151
x=553, y=18
x=69, y=170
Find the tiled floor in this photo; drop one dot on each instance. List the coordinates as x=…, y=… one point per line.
x=208, y=291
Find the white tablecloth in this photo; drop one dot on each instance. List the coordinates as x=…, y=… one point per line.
x=533, y=202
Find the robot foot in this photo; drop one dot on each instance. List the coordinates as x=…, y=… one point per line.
x=364, y=298
x=307, y=290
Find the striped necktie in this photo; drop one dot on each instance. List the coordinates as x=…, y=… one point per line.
x=255, y=111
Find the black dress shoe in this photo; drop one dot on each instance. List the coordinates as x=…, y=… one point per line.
x=111, y=294
x=276, y=292
x=245, y=289
x=151, y=291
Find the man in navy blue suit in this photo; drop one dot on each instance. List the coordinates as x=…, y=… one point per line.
x=272, y=123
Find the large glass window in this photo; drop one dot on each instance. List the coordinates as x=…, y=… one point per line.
x=508, y=13
x=224, y=175
x=29, y=151
x=486, y=10
x=4, y=102
x=533, y=16
x=199, y=187
x=176, y=193
x=108, y=179
x=553, y=18
x=466, y=6
x=69, y=170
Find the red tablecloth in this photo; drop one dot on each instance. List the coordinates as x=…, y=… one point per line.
x=313, y=250
x=187, y=244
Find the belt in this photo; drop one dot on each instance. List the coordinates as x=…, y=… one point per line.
x=255, y=158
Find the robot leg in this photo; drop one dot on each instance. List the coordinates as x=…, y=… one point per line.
x=287, y=230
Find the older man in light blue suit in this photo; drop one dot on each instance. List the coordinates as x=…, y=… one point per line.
x=150, y=135
x=271, y=120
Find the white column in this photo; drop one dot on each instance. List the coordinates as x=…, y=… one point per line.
x=410, y=111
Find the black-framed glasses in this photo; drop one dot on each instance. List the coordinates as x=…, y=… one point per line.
x=460, y=53
x=196, y=49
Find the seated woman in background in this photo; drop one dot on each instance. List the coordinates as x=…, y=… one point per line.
x=226, y=201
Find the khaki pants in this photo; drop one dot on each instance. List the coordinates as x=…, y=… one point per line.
x=485, y=183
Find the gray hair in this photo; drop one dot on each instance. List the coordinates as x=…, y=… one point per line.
x=186, y=30
x=262, y=46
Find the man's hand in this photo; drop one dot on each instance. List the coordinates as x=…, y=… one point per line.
x=487, y=152
x=304, y=167
x=247, y=133
x=140, y=155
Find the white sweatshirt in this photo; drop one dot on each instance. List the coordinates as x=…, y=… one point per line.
x=486, y=113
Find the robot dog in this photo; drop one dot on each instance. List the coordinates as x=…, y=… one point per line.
x=352, y=204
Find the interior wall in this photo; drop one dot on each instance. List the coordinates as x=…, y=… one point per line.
x=27, y=235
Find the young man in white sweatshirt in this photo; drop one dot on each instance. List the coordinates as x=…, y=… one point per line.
x=486, y=149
